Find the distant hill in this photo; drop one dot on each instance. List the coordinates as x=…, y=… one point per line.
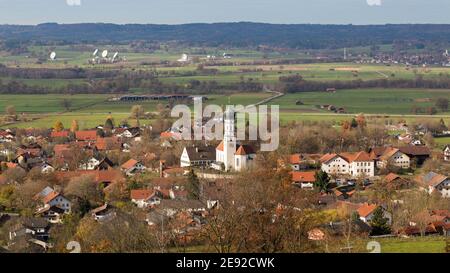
x=234, y=34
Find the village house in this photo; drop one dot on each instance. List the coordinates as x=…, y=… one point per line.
x=397, y=182
x=89, y=135
x=59, y=134
x=303, y=161
x=435, y=182
x=129, y=133
x=146, y=198
x=33, y=230
x=96, y=162
x=50, y=197
x=447, y=153
x=103, y=213
x=133, y=167
x=172, y=207
x=6, y=136
x=52, y=214
x=304, y=180
x=196, y=156
x=389, y=156
x=353, y=164
x=366, y=213
x=417, y=153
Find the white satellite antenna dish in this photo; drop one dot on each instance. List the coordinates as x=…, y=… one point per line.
x=115, y=55
x=95, y=53
x=53, y=56
x=105, y=53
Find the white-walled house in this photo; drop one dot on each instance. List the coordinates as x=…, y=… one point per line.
x=366, y=213
x=447, y=153
x=145, y=198
x=52, y=198
x=352, y=164
x=132, y=167
x=390, y=156
x=435, y=182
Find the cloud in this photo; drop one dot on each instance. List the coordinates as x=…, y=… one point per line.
x=374, y=2
x=73, y=2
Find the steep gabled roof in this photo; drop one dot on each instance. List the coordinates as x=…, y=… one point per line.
x=391, y=177
x=245, y=150
x=304, y=177
x=141, y=194
x=366, y=209
x=129, y=164
x=415, y=150
x=356, y=157
x=220, y=146
x=327, y=157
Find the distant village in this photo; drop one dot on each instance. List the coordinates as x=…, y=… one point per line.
x=178, y=185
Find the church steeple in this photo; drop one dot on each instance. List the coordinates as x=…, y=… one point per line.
x=229, y=139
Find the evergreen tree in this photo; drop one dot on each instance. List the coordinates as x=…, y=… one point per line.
x=193, y=186
x=379, y=223
x=109, y=124
x=354, y=123
x=322, y=181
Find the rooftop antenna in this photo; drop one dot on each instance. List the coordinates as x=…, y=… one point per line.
x=53, y=56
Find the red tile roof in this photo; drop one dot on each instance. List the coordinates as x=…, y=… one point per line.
x=86, y=135
x=129, y=164
x=108, y=143
x=295, y=159
x=391, y=177
x=49, y=197
x=59, y=134
x=245, y=150
x=366, y=209
x=304, y=177
x=327, y=157
x=141, y=194
x=356, y=157
x=220, y=147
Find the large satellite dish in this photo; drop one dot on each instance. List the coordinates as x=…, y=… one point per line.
x=105, y=53
x=95, y=53
x=115, y=55
x=53, y=56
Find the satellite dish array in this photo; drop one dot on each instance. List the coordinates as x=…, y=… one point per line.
x=104, y=57
x=53, y=56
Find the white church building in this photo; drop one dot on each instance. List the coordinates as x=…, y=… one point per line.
x=230, y=156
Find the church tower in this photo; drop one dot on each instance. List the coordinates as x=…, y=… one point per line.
x=229, y=140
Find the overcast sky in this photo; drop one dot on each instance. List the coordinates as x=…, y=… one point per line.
x=189, y=11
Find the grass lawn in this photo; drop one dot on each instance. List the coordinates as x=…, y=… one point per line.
x=413, y=245
x=442, y=141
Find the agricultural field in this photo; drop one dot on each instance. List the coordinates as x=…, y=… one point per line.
x=369, y=101
x=51, y=103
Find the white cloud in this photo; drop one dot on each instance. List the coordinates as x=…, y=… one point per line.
x=374, y=2
x=73, y=2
